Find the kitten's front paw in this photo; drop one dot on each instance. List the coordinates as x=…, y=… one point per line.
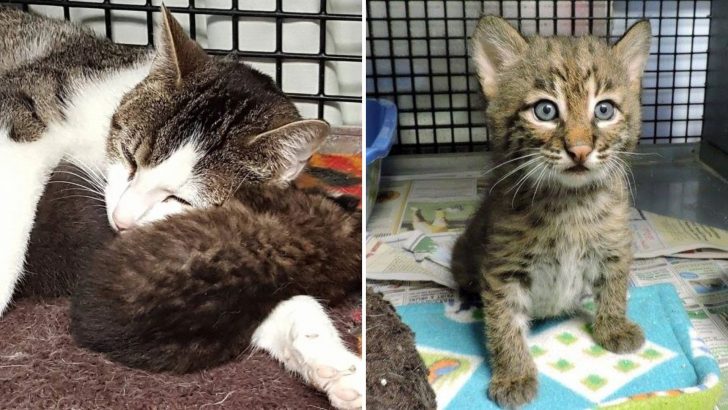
x=619, y=336
x=513, y=391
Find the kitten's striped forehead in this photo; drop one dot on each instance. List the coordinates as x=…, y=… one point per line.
x=573, y=73
x=572, y=63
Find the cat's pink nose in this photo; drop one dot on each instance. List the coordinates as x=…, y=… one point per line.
x=579, y=153
x=122, y=221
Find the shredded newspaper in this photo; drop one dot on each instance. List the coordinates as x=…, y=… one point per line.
x=414, y=225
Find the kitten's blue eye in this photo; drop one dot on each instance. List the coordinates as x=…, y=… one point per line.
x=545, y=110
x=604, y=110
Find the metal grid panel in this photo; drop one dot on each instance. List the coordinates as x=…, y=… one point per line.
x=312, y=48
x=417, y=57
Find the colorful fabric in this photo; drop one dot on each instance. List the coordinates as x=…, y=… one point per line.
x=337, y=167
x=674, y=369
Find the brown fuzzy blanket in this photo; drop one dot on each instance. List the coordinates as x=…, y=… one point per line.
x=396, y=375
x=42, y=368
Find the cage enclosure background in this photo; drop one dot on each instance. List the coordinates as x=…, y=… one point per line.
x=417, y=56
x=312, y=48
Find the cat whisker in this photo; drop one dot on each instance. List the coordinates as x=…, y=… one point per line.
x=639, y=153
x=93, y=183
x=78, y=187
x=620, y=173
x=523, y=177
x=538, y=183
x=523, y=181
x=525, y=164
x=627, y=167
x=96, y=175
x=627, y=173
x=79, y=196
x=509, y=161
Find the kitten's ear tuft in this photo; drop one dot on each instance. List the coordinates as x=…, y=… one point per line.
x=177, y=55
x=495, y=44
x=288, y=148
x=633, y=49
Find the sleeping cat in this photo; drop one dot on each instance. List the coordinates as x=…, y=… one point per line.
x=197, y=290
x=165, y=130
x=563, y=113
x=161, y=132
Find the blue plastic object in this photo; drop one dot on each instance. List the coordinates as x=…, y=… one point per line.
x=381, y=127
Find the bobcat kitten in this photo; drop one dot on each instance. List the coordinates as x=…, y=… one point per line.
x=563, y=114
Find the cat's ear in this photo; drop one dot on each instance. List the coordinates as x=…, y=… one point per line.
x=633, y=49
x=495, y=44
x=178, y=56
x=287, y=149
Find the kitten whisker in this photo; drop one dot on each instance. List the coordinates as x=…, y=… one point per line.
x=626, y=171
x=509, y=161
x=620, y=174
x=525, y=164
x=523, y=177
x=523, y=181
x=639, y=153
x=538, y=183
x=627, y=167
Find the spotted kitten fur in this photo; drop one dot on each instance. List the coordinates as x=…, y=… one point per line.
x=563, y=115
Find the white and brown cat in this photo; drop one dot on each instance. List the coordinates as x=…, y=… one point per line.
x=164, y=132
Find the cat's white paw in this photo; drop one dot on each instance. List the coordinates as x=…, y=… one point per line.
x=346, y=392
x=300, y=334
x=331, y=368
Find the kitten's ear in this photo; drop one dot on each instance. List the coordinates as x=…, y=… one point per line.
x=287, y=149
x=177, y=55
x=634, y=50
x=494, y=45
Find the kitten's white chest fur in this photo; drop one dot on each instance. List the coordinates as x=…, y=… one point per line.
x=561, y=279
x=558, y=288
x=25, y=167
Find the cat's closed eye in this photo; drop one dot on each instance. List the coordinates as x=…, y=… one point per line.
x=177, y=199
x=131, y=161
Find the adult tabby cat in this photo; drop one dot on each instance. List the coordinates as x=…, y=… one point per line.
x=164, y=131
x=563, y=113
x=168, y=129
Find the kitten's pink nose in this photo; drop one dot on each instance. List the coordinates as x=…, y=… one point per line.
x=579, y=153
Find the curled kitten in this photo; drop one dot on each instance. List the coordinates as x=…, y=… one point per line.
x=563, y=113
x=70, y=225
x=188, y=292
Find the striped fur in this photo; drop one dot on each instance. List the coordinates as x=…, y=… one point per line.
x=552, y=228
